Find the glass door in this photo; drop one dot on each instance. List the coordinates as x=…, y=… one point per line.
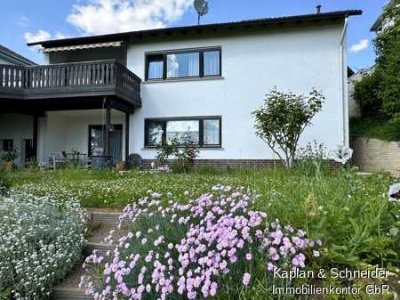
x=97, y=138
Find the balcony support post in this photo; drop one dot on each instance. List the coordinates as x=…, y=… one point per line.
x=127, y=118
x=107, y=139
x=35, y=136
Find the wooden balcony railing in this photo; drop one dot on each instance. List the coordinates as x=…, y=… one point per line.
x=93, y=78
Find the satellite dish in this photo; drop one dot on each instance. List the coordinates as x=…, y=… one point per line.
x=201, y=7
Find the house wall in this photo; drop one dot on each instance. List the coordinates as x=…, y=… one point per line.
x=16, y=127
x=253, y=63
x=67, y=130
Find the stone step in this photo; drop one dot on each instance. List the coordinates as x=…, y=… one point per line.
x=101, y=222
x=69, y=294
x=100, y=247
x=104, y=217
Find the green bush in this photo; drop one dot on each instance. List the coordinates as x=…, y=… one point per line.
x=366, y=94
x=41, y=239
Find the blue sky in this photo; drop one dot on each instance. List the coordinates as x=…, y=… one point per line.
x=47, y=19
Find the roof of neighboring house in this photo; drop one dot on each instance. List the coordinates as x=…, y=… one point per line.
x=316, y=18
x=377, y=26
x=14, y=57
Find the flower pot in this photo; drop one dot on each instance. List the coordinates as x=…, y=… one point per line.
x=8, y=165
x=119, y=166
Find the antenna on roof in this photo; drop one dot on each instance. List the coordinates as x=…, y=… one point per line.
x=201, y=7
x=319, y=6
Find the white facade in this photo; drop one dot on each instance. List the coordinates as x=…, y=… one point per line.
x=252, y=64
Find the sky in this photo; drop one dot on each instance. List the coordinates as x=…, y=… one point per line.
x=25, y=21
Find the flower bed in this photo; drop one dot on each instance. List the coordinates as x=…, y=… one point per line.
x=200, y=249
x=40, y=241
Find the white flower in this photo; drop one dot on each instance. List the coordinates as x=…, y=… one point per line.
x=394, y=192
x=342, y=154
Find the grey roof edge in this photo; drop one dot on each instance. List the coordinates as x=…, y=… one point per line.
x=377, y=24
x=15, y=56
x=150, y=32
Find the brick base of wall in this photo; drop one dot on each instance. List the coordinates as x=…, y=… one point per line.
x=238, y=163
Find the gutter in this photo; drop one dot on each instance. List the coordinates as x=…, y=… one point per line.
x=343, y=79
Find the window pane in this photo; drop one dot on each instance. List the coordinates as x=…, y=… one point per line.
x=184, y=131
x=183, y=65
x=211, y=132
x=155, y=70
x=154, y=134
x=211, y=63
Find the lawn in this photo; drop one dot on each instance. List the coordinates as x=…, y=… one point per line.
x=350, y=214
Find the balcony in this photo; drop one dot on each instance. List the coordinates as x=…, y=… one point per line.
x=79, y=82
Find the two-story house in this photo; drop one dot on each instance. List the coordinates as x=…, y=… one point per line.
x=125, y=93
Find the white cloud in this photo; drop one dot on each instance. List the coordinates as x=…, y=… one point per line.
x=109, y=16
x=361, y=45
x=41, y=35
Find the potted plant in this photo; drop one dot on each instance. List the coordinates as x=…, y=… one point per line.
x=119, y=166
x=8, y=158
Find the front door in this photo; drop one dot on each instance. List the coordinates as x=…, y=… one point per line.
x=97, y=138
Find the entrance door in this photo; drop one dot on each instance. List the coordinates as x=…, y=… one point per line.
x=97, y=138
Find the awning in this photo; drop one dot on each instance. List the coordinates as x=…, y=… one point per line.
x=85, y=46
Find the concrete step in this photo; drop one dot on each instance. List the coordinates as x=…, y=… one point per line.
x=100, y=225
x=69, y=294
x=104, y=217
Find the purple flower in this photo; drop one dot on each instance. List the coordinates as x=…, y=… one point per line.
x=246, y=279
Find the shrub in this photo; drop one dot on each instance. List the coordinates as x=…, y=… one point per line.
x=282, y=118
x=366, y=95
x=184, y=155
x=40, y=241
x=196, y=250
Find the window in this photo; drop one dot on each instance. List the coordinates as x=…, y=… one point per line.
x=7, y=145
x=183, y=64
x=155, y=68
x=204, y=131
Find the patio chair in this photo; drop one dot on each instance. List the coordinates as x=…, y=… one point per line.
x=57, y=158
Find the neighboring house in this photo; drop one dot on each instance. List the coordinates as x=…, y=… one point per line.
x=124, y=93
x=9, y=57
x=9, y=132
x=381, y=23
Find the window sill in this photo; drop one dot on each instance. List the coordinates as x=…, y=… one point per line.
x=150, y=81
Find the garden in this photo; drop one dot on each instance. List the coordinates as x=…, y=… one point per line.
x=267, y=218
x=300, y=229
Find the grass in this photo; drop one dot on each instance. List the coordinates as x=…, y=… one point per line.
x=351, y=214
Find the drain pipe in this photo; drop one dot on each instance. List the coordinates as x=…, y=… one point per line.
x=343, y=80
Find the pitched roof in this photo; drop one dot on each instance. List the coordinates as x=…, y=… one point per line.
x=154, y=33
x=14, y=57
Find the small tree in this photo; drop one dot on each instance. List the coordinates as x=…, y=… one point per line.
x=283, y=117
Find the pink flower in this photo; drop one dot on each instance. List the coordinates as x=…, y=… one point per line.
x=246, y=279
x=249, y=256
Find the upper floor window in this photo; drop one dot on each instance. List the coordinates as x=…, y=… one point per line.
x=183, y=64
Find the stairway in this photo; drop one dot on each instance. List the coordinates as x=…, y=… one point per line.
x=101, y=222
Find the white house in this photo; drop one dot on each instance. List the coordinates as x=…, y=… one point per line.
x=123, y=93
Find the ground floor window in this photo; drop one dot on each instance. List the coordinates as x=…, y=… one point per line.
x=201, y=131
x=97, y=138
x=7, y=144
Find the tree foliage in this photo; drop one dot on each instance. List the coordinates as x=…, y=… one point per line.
x=378, y=94
x=283, y=117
